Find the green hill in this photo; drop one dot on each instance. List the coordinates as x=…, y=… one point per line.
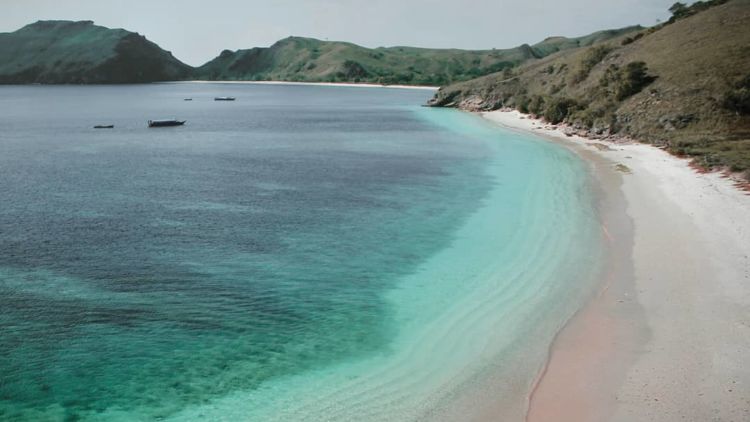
x=80, y=52
x=684, y=85
x=311, y=60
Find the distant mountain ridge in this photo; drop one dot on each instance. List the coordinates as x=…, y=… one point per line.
x=66, y=52
x=310, y=60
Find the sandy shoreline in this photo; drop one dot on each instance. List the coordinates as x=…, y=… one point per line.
x=667, y=337
x=338, y=84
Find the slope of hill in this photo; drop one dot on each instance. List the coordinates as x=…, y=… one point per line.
x=684, y=85
x=81, y=52
x=311, y=60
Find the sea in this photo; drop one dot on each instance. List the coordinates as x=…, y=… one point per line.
x=304, y=253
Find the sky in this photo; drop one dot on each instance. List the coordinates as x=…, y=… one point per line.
x=196, y=31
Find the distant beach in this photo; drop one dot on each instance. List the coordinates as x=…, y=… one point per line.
x=666, y=337
x=339, y=84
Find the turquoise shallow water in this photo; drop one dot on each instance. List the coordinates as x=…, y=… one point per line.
x=305, y=253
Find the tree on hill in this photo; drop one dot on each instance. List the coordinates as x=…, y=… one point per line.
x=679, y=10
x=738, y=98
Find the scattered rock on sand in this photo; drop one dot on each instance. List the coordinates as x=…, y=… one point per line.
x=600, y=146
x=622, y=168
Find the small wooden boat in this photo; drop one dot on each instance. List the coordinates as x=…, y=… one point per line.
x=165, y=123
x=104, y=127
x=224, y=99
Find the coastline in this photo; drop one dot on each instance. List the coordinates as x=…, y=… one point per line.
x=498, y=291
x=337, y=84
x=665, y=337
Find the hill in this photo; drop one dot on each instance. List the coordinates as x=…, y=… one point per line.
x=65, y=52
x=310, y=60
x=683, y=85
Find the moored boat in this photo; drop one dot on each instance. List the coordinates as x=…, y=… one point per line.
x=165, y=123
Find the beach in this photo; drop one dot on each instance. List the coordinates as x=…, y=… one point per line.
x=666, y=337
x=335, y=84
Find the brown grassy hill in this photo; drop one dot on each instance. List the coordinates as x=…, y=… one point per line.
x=684, y=85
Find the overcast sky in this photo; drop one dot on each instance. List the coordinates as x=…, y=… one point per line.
x=197, y=30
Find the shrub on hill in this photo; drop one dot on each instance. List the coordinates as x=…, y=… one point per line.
x=352, y=70
x=591, y=58
x=634, y=38
x=536, y=105
x=558, y=109
x=737, y=99
x=624, y=82
x=521, y=103
x=633, y=78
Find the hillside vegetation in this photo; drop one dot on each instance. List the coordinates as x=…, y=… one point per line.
x=683, y=85
x=64, y=52
x=311, y=60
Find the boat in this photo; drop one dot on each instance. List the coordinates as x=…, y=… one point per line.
x=188, y=99
x=165, y=123
x=224, y=99
x=104, y=127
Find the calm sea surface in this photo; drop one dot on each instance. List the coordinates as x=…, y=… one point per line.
x=302, y=253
